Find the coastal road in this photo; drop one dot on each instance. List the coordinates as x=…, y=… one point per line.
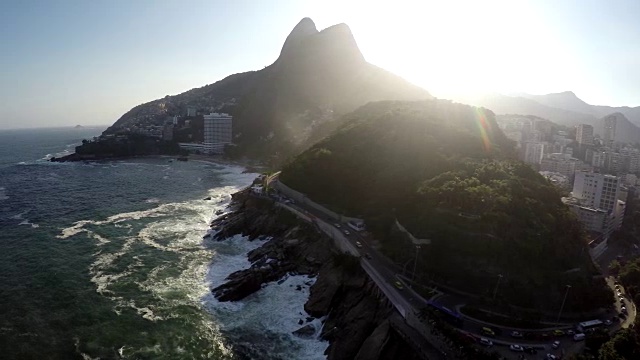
x=406, y=300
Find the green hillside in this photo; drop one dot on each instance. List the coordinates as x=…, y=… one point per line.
x=446, y=172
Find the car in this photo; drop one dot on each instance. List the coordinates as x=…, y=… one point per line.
x=516, y=334
x=516, y=348
x=571, y=332
x=368, y=256
x=551, y=357
x=578, y=337
x=623, y=309
x=530, y=350
x=608, y=322
x=617, y=287
x=337, y=225
x=556, y=344
x=619, y=293
x=346, y=232
x=358, y=244
x=621, y=299
x=486, y=342
x=488, y=331
x=398, y=284
x=558, y=332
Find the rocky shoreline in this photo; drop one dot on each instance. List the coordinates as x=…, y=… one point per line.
x=356, y=322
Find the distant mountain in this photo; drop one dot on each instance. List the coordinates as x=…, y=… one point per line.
x=318, y=76
x=566, y=109
x=625, y=131
x=568, y=101
x=502, y=104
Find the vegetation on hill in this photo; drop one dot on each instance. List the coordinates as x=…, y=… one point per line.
x=447, y=173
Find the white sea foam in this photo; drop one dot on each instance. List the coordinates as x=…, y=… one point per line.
x=20, y=215
x=26, y=222
x=274, y=311
x=177, y=229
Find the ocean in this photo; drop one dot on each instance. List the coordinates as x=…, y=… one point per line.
x=106, y=260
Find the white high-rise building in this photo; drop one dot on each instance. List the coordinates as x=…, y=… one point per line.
x=631, y=159
x=598, y=159
x=599, y=191
x=584, y=134
x=533, y=152
x=217, y=132
x=610, y=130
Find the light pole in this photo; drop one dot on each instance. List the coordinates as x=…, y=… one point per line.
x=563, y=300
x=415, y=264
x=495, y=291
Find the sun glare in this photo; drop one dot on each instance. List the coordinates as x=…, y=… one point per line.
x=457, y=47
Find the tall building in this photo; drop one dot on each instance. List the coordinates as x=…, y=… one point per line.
x=609, y=130
x=533, y=152
x=217, y=132
x=584, y=134
x=613, y=162
x=599, y=203
x=631, y=158
x=599, y=191
x=598, y=159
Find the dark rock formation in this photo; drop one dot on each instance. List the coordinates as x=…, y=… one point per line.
x=306, y=331
x=356, y=322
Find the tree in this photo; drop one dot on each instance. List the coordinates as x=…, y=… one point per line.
x=614, y=267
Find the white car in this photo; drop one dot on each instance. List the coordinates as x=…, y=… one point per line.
x=571, y=332
x=486, y=342
x=337, y=225
x=556, y=344
x=516, y=348
x=608, y=322
x=551, y=357
x=516, y=334
x=346, y=232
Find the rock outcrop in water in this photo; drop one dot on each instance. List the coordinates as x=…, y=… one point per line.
x=356, y=323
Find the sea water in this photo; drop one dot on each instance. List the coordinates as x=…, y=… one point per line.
x=107, y=260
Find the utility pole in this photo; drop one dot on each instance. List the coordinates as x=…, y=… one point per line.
x=495, y=291
x=563, y=301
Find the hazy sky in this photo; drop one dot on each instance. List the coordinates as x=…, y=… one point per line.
x=88, y=62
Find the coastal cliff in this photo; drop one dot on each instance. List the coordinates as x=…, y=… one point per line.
x=356, y=322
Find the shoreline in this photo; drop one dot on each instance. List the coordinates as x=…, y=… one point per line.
x=248, y=164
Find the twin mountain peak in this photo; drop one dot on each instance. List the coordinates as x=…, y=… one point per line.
x=285, y=107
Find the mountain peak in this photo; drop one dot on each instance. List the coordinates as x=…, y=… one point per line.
x=306, y=42
x=305, y=28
